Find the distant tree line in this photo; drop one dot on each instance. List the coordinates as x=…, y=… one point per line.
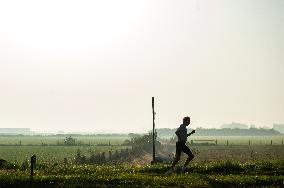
x=279, y=127
x=165, y=132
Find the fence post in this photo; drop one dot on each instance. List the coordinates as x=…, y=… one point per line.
x=227, y=142
x=271, y=143
x=216, y=142
x=109, y=155
x=282, y=142
x=249, y=142
x=33, y=164
x=103, y=157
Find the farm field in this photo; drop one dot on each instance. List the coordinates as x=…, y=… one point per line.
x=59, y=140
x=236, y=150
x=117, y=140
x=243, y=140
x=236, y=140
x=220, y=165
x=50, y=154
x=235, y=153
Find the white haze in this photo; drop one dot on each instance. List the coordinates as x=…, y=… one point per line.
x=94, y=65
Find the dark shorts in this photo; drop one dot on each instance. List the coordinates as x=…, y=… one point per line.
x=180, y=146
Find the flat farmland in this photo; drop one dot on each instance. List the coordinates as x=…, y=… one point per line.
x=233, y=140
x=59, y=140
x=232, y=165
x=51, y=154
x=242, y=140
x=233, y=153
x=52, y=148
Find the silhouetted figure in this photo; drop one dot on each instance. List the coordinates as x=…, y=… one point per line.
x=181, y=146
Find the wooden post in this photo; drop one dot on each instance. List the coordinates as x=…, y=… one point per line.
x=153, y=112
x=227, y=142
x=282, y=142
x=216, y=142
x=116, y=154
x=249, y=142
x=33, y=164
x=271, y=143
x=103, y=157
x=109, y=155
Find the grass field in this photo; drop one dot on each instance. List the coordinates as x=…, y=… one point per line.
x=237, y=149
x=117, y=140
x=50, y=154
x=235, y=165
x=55, y=140
x=217, y=174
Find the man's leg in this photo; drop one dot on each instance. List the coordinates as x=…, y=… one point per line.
x=178, y=154
x=190, y=155
x=176, y=160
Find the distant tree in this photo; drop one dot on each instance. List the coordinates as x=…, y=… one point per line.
x=142, y=143
x=127, y=143
x=69, y=141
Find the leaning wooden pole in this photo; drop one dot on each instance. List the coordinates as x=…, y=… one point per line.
x=33, y=165
x=154, y=132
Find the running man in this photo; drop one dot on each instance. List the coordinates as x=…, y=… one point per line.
x=180, y=144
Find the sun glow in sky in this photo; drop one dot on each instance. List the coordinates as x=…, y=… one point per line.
x=94, y=65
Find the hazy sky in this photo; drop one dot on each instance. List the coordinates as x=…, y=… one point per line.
x=94, y=65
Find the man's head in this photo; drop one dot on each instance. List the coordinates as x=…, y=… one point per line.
x=186, y=120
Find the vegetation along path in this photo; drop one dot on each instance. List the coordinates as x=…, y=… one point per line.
x=215, y=174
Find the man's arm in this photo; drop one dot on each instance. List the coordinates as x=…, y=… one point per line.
x=192, y=132
x=177, y=133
